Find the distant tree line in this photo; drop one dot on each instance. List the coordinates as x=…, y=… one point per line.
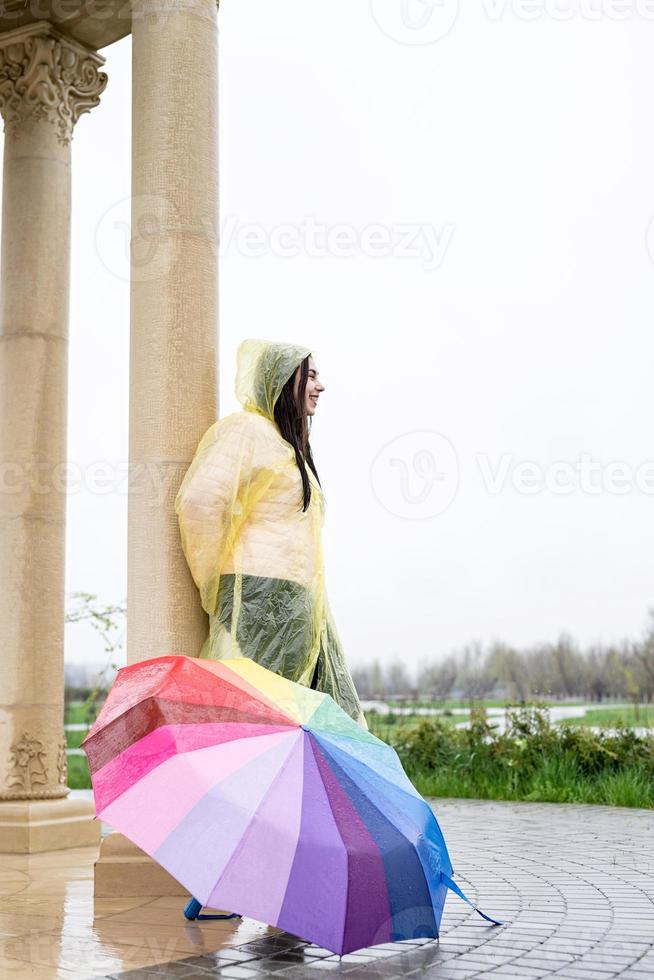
x=549, y=671
x=623, y=671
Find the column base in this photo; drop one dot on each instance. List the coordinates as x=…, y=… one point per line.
x=31, y=826
x=124, y=870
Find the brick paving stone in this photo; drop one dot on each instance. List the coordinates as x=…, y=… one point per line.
x=365, y=972
x=446, y=973
x=237, y=972
x=574, y=886
x=271, y=965
x=317, y=969
x=573, y=971
x=548, y=965
x=599, y=966
x=523, y=970
x=138, y=974
x=223, y=957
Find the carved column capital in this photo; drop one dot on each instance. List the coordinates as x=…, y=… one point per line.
x=47, y=76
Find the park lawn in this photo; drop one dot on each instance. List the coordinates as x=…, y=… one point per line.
x=556, y=781
x=75, y=739
x=383, y=728
x=563, y=763
x=79, y=776
x=533, y=761
x=615, y=718
x=481, y=703
x=76, y=713
x=448, y=704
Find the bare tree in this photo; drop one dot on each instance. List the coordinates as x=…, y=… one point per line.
x=506, y=666
x=397, y=680
x=546, y=670
x=644, y=656
x=436, y=680
x=474, y=677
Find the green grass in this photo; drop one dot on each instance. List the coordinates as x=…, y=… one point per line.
x=384, y=726
x=532, y=761
x=75, y=739
x=467, y=702
x=79, y=776
x=77, y=712
x=556, y=781
x=615, y=718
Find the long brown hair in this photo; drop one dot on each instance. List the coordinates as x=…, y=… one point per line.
x=294, y=425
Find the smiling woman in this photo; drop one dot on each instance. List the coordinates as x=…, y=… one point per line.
x=251, y=511
x=313, y=386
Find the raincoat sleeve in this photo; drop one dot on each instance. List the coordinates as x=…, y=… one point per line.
x=213, y=499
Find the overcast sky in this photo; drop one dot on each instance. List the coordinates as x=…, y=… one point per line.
x=452, y=208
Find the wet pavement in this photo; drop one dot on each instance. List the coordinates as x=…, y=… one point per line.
x=574, y=885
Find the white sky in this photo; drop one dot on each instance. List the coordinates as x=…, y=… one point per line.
x=518, y=154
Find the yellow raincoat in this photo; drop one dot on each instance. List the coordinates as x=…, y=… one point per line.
x=254, y=555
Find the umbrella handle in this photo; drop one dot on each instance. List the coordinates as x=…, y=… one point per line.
x=455, y=888
x=192, y=911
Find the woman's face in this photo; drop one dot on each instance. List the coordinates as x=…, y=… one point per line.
x=313, y=389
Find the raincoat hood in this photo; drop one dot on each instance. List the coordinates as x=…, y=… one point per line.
x=262, y=369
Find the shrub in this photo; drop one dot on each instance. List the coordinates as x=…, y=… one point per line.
x=532, y=760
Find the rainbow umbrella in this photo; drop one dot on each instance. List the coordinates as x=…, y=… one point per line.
x=263, y=796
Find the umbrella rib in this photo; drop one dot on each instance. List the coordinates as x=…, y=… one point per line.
x=375, y=772
x=160, y=703
x=261, y=696
x=239, y=843
x=399, y=830
x=234, y=681
x=338, y=830
x=420, y=799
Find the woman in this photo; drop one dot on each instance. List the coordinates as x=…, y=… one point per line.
x=251, y=510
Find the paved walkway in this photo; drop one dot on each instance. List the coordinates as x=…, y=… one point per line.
x=574, y=885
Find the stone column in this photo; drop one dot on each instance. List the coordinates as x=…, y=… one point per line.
x=173, y=396
x=46, y=82
x=173, y=345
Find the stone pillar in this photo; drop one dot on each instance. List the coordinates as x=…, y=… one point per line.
x=46, y=82
x=173, y=395
x=173, y=345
